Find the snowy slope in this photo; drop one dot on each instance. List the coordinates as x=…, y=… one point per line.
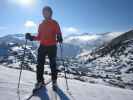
x=113, y=61
x=78, y=90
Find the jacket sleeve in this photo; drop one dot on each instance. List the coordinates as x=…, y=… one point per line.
x=38, y=35
x=59, y=33
x=58, y=30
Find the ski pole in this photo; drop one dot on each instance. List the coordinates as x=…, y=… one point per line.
x=21, y=66
x=61, y=50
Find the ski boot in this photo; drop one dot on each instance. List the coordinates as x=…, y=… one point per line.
x=38, y=86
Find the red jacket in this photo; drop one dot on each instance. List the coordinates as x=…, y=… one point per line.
x=47, y=32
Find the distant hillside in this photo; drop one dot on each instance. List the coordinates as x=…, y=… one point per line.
x=108, y=46
x=113, y=60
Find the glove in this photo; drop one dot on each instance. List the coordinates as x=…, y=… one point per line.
x=29, y=37
x=59, y=38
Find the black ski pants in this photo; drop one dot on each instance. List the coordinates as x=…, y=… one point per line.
x=43, y=51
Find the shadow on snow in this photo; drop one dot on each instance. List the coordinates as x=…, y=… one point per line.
x=42, y=94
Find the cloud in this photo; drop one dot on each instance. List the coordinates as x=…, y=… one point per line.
x=3, y=28
x=70, y=30
x=30, y=24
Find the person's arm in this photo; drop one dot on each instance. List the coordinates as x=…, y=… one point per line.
x=59, y=33
x=38, y=35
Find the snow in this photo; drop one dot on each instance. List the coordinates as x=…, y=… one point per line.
x=93, y=37
x=113, y=35
x=83, y=38
x=16, y=48
x=78, y=90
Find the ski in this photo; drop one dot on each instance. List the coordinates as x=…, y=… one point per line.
x=53, y=94
x=35, y=90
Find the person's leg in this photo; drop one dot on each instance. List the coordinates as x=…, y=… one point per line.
x=40, y=65
x=52, y=52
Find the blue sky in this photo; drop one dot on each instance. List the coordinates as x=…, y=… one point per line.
x=74, y=16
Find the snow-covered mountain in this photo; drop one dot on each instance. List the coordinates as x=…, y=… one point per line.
x=15, y=38
x=110, y=45
x=90, y=41
x=113, y=60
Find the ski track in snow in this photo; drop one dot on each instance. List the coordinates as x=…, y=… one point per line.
x=78, y=90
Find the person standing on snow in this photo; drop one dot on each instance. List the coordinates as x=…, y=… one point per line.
x=49, y=34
